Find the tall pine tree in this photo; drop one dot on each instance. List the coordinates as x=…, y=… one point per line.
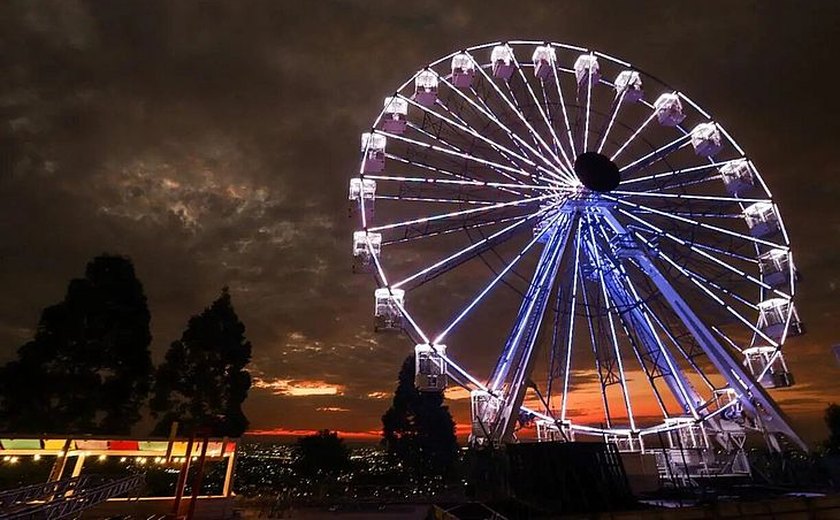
x=203, y=381
x=418, y=429
x=88, y=368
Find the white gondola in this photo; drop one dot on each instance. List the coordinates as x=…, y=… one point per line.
x=737, y=176
x=777, y=376
x=587, y=69
x=484, y=409
x=669, y=110
x=362, y=189
x=629, y=83
x=762, y=219
x=373, y=150
x=544, y=59
x=463, y=70
x=363, y=255
x=776, y=267
x=395, y=115
x=387, y=313
x=430, y=368
x=705, y=138
x=773, y=318
x=502, y=59
x=426, y=88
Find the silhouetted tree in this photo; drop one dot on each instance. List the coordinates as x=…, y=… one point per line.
x=203, y=381
x=88, y=368
x=418, y=429
x=832, y=420
x=323, y=453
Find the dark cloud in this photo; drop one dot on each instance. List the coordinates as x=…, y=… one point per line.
x=212, y=142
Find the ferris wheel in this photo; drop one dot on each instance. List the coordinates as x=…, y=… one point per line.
x=579, y=245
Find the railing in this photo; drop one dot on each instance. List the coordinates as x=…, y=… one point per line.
x=74, y=500
x=16, y=497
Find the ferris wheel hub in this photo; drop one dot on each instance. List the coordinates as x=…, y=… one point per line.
x=597, y=172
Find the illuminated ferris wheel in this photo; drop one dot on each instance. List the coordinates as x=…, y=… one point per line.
x=582, y=228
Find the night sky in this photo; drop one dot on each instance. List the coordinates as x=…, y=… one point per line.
x=212, y=143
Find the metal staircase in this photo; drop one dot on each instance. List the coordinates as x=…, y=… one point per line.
x=64, y=498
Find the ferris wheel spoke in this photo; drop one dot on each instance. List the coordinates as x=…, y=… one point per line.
x=717, y=299
x=454, y=153
x=729, y=341
x=694, y=222
x=557, y=143
x=513, y=188
x=696, y=215
x=567, y=166
x=730, y=254
x=454, y=260
x=702, y=253
x=461, y=213
x=565, y=113
x=458, y=149
x=463, y=314
x=678, y=196
x=570, y=328
x=694, y=276
x=534, y=134
x=497, y=148
x=626, y=183
x=588, y=113
x=441, y=140
x=415, y=234
x=471, y=131
x=518, y=109
x=458, y=182
x=604, y=134
x=700, y=245
x=656, y=155
x=632, y=137
x=432, y=200
x=484, y=110
x=682, y=185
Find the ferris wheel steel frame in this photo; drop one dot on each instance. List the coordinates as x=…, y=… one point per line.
x=500, y=146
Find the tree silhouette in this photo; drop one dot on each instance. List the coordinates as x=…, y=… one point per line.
x=832, y=420
x=203, y=382
x=418, y=429
x=323, y=453
x=88, y=368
